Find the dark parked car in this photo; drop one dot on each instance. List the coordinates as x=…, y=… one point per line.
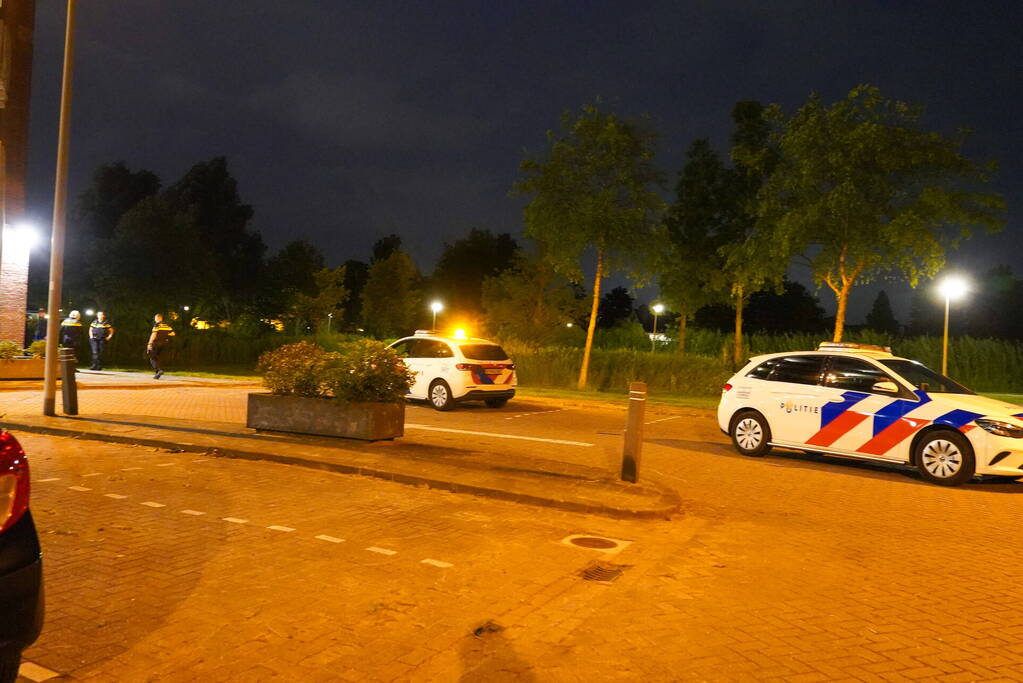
x=21, y=562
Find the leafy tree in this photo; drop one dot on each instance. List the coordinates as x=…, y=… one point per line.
x=793, y=310
x=464, y=264
x=592, y=191
x=356, y=273
x=327, y=303
x=616, y=306
x=384, y=247
x=391, y=296
x=881, y=318
x=291, y=270
x=865, y=191
x=530, y=302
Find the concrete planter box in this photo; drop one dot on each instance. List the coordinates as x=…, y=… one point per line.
x=326, y=417
x=21, y=368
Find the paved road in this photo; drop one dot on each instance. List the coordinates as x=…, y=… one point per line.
x=787, y=567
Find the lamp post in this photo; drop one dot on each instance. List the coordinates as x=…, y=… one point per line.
x=436, y=307
x=952, y=287
x=657, y=309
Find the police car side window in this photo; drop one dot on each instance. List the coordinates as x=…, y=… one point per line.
x=442, y=350
x=402, y=348
x=763, y=370
x=797, y=370
x=853, y=374
x=417, y=348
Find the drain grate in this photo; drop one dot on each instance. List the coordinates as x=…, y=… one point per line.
x=603, y=572
x=593, y=542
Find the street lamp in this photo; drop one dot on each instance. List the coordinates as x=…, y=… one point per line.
x=952, y=287
x=16, y=242
x=657, y=309
x=436, y=307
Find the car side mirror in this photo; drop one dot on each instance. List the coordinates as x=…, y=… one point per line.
x=886, y=386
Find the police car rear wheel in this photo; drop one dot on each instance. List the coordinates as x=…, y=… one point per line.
x=750, y=434
x=945, y=458
x=440, y=395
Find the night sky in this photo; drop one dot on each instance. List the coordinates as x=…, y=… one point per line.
x=347, y=121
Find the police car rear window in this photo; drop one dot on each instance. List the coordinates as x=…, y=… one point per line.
x=483, y=352
x=763, y=370
x=797, y=370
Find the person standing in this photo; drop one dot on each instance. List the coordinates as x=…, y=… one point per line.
x=40, y=325
x=71, y=331
x=100, y=332
x=158, y=341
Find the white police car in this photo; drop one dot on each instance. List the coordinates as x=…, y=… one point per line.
x=453, y=369
x=860, y=401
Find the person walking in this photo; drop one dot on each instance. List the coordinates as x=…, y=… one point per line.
x=100, y=332
x=71, y=331
x=158, y=341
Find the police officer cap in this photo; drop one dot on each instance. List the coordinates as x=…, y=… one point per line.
x=74, y=314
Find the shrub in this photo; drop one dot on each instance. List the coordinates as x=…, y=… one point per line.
x=9, y=350
x=294, y=369
x=366, y=370
x=37, y=348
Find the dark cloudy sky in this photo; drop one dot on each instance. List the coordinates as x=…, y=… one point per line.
x=344, y=121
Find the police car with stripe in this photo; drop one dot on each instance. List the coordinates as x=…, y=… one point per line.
x=456, y=368
x=860, y=401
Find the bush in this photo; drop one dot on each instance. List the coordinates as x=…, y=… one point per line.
x=361, y=370
x=9, y=350
x=37, y=348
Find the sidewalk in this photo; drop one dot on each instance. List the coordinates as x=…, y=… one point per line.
x=207, y=416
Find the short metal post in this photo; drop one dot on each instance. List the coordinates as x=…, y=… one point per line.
x=68, y=386
x=634, y=432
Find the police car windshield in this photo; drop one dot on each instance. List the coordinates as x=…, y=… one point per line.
x=483, y=352
x=925, y=379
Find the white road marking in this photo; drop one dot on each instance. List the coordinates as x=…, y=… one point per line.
x=235, y=520
x=496, y=435
x=382, y=551
x=538, y=412
x=437, y=563
x=280, y=528
x=165, y=464
x=78, y=488
x=330, y=539
x=115, y=496
x=663, y=419
x=202, y=460
x=39, y=481
x=36, y=673
x=93, y=474
x=151, y=504
x=194, y=513
x=129, y=469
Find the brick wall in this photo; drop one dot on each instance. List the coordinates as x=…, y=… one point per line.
x=13, y=291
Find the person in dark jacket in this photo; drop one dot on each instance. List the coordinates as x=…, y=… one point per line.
x=41, y=325
x=71, y=331
x=158, y=341
x=100, y=332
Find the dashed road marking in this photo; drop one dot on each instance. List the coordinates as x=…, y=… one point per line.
x=280, y=528
x=201, y=460
x=36, y=673
x=538, y=412
x=194, y=513
x=151, y=504
x=165, y=464
x=78, y=488
x=93, y=474
x=235, y=520
x=39, y=481
x=663, y=419
x=437, y=563
x=115, y=496
x=330, y=539
x=496, y=435
x=382, y=551
x=129, y=469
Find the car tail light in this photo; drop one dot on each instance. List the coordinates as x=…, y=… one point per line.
x=725, y=389
x=463, y=366
x=13, y=481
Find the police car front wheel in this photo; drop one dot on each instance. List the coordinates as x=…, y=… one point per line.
x=751, y=435
x=945, y=457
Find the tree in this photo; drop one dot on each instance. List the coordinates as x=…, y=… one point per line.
x=793, y=310
x=865, y=191
x=384, y=247
x=881, y=318
x=356, y=273
x=616, y=306
x=290, y=274
x=465, y=263
x=592, y=190
x=328, y=302
x=391, y=296
x=530, y=302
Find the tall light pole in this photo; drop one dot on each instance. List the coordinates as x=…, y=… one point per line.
x=436, y=307
x=952, y=287
x=657, y=309
x=59, y=216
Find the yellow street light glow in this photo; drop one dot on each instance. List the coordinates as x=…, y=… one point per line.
x=658, y=308
x=459, y=333
x=436, y=306
x=953, y=287
x=568, y=324
x=89, y=311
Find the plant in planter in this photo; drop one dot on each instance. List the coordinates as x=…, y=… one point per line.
x=15, y=365
x=357, y=392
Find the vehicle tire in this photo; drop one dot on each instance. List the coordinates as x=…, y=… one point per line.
x=751, y=435
x=440, y=395
x=10, y=660
x=496, y=402
x=944, y=457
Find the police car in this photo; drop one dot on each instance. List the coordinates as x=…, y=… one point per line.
x=456, y=368
x=860, y=401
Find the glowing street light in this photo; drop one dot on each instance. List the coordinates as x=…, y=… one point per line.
x=657, y=309
x=16, y=242
x=436, y=307
x=952, y=287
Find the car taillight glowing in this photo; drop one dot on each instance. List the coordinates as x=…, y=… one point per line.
x=726, y=388
x=463, y=366
x=13, y=481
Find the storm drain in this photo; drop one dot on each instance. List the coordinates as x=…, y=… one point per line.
x=603, y=572
x=610, y=546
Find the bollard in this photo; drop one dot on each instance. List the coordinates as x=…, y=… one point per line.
x=68, y=386
x=634, y=432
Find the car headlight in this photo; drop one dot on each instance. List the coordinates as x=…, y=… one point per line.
x=1000, y=428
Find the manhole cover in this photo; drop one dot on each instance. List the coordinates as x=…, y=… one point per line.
x=593, y=542
x=603, y=572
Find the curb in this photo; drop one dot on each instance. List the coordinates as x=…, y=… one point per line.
x=668, y=504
